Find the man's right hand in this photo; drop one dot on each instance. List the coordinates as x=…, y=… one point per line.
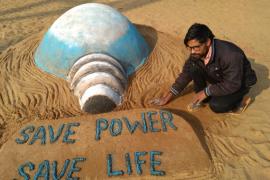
x=162, y=100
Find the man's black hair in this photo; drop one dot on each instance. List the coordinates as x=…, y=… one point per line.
x=199, y=32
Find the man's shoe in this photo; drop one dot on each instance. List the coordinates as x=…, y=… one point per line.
x=242, y=106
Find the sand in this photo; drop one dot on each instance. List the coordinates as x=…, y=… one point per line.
x=238, y=144
x=174, y=145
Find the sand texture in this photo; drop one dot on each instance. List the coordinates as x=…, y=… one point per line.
x=174, y=140
x=230, y=146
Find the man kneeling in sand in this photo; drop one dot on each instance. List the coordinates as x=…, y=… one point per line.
x=220, y=71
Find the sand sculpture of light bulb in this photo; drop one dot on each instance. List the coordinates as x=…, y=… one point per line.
x=95, y=48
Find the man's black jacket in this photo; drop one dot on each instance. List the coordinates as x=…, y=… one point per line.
x=227, y=71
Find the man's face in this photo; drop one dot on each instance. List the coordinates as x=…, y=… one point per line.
x=197, y=49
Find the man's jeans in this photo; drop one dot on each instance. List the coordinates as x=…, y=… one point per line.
x=218, y=104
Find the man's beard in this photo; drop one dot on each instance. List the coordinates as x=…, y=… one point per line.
x=196, y=56
x=200, y=55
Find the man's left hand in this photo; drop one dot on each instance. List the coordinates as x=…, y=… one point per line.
x=199, y=97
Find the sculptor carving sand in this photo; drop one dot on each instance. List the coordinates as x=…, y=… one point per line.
x=45, y=134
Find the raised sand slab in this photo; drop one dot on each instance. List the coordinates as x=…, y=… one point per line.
x=125, y=144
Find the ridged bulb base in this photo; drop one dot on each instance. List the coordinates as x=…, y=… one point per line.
x=99, y=81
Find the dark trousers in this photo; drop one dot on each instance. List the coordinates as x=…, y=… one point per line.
x=218, y=104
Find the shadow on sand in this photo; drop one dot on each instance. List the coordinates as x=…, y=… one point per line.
x=263, y=81
x=196, y=125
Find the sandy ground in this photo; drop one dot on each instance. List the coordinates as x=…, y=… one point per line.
x=239, y=145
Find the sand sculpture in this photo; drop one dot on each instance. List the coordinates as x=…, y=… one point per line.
x=30, y=97
x=95, y=48
x=143, y=143
x=133, y=142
